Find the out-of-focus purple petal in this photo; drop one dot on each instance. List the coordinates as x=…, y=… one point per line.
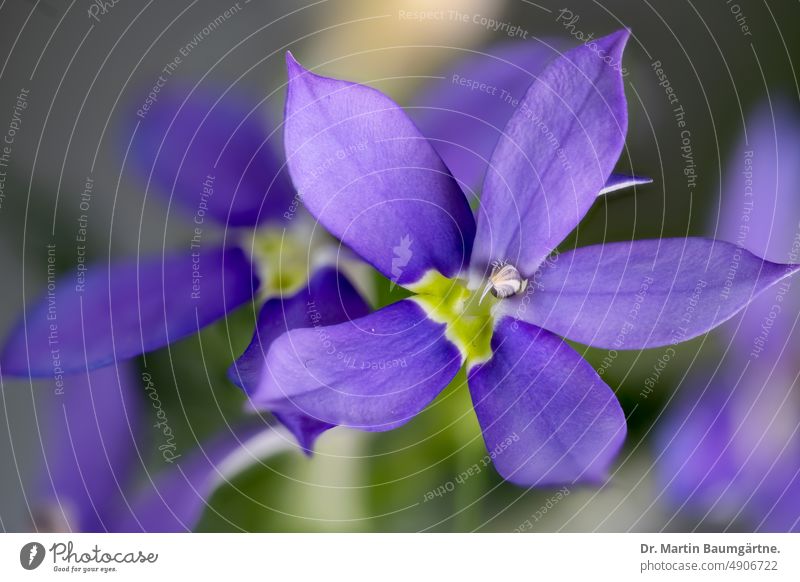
x=621, y=181
x=212, y=152
x=368, y=175
x=644, y=293
x=546, y=415
x=373, y=373
x=759, y=206
x=328, y=299
x=174, y=500
x=90, y=440
x=692, y=459
x=125, y=309
x=731, y=445
x=761, y=210
x=556, y=153
x=464, y=111
x=781, y=513
x=729, y=451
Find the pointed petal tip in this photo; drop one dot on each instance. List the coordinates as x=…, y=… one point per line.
x=306, y=430
x=616, y=41
x=620, y=36
x=235, y=378
x=791, y=268
x=293, y=67
x=305, y=441
x=305, y=435
x=617, y=182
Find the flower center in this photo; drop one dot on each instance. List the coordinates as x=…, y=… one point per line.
x=285, y=258
x=467, y=313
x=281, y=259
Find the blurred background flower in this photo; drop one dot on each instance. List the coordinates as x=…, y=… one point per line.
x=94, y=438
x=72, y=86
x=729, y=446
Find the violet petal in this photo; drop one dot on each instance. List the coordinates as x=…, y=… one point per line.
x=463, y=111
x=546, y=415
x=367, y=174
x=213, y=154
x=373, y=373
x=90, y=444
x=328, y=299
x=645, y=293
x=555, y=155
x=126, y=308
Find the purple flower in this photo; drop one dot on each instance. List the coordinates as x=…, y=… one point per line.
x=212, y=156
x=369, y=176
x=729, y=449
x=119, y=309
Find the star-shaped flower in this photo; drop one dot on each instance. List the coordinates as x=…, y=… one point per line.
x=370, y=177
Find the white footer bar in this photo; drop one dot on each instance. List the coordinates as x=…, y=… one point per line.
x=402, y=557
